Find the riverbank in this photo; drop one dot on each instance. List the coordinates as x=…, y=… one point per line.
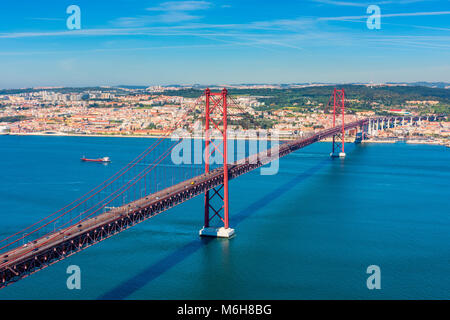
x=40, y=134
x=347, y=140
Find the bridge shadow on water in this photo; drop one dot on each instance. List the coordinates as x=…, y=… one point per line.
x=128, y=287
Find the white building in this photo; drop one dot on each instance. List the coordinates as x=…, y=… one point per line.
x=4, y=129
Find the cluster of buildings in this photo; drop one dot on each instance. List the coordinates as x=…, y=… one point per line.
x=147, y=113
x=89, y=113
x=427, y=131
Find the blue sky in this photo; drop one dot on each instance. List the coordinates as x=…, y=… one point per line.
x=222, y=42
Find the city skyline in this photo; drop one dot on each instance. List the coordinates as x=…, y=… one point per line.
x=189, y=42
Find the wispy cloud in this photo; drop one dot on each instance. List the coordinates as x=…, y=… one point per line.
x=181, y=6
x=130, y=22
x=297, y=34
x=341, y=3
x=173, y=12
x=297, y=26
x=167, y=12
x=366, y=4
x=390, y=15
x=46, y=19
x=130, y=49
x=176, y=16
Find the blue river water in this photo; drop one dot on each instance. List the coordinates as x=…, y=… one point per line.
x=309, y=232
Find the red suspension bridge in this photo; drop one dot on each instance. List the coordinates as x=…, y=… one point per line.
x=150, y=184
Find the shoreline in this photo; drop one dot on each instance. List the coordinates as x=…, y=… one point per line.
x=120, y=136
x=412, y=141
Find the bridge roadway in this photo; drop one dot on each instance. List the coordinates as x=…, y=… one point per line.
x=45, y=251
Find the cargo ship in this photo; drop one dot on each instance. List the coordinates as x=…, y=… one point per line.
x=104, y=159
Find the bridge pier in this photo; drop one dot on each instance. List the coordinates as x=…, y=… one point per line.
x=216, y=232
x=374, y=131
x=365, y=131
x=341, y=155
x=360, y=136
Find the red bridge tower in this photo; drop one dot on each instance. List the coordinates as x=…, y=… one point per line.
x=216, y=117
x=338, y=150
